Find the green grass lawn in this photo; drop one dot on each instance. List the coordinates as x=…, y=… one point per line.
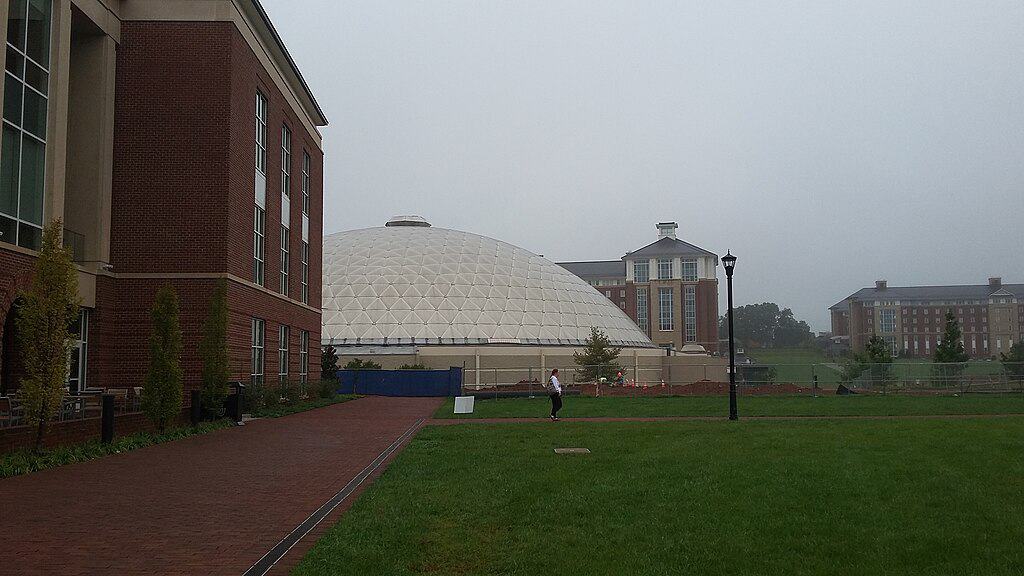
x=826, y=405
x=853, y=497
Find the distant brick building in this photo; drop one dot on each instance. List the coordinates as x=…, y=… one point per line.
x=912, y=319
x=669, y=288
x=179, y=143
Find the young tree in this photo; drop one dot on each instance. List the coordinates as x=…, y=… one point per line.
x=49, y=308
x=328, y=363
x=1013, y=363
x=875, y=361
x=950, y=356
x=213, y=350
x=598, y=359
x=161, y=397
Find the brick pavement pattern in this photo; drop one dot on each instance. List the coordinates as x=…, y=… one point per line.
x=210, y=504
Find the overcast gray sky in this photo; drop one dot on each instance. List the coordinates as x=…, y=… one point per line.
x=827, y=144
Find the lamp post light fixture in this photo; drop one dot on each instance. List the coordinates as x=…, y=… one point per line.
x=729, y=262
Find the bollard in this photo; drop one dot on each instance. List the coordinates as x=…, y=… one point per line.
x=196, y=409
x=107, y=424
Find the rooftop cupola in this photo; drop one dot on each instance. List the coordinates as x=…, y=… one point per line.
x=667, y=230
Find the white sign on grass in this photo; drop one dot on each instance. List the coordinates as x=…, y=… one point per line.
x=464, y=404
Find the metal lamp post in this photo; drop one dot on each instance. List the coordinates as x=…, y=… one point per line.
x=729, y=262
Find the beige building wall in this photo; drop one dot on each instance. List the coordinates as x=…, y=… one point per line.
x=487, y=366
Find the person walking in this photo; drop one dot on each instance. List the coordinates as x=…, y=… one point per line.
x=555, y=390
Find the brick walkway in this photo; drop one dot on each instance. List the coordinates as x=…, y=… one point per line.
x=211, y=504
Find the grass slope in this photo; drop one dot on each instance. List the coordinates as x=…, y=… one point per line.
x=910, y=497
x=827, y=405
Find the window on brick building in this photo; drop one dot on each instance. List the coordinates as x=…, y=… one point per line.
x=258, y=326
x=282, y=354
x=690, y=312
x=305, y=272
x=258, y=245
x=664, y=268
x=666, y=315
x=286, y=161
x=641, y=309
x=25, y=114
x=261, y=133
x=642, y=271
x=689, y=270
x=305, y=182
x=303, y=356
x=285, y=260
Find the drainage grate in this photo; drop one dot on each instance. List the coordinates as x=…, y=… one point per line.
x=572, y=450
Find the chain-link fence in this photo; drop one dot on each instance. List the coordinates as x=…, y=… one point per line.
x=761, y=379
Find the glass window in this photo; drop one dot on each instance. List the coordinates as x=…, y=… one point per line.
x=888, y=320
x=282, y=354
x=689, y=270
x=666, y=320
x=33, y=167
x=25, y=113
x=664, y=268
x=305, y=272
x=79, y=352
x=303, y=356
x=305, y=182
x=641, y=271
x=258, y=245
x=261, y=133
x=257, y=351
x=690, y=312
x=641, y=310
x=284, y=260
x=10, y=161
x=286, y=161
x=37, y=39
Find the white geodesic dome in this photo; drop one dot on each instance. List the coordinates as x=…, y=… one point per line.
x=409, y=283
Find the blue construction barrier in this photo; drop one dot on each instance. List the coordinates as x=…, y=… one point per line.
x=401, y=382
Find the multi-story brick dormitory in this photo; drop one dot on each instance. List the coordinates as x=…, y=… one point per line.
x=669, y=288
x=133, y=122
x=912, y=318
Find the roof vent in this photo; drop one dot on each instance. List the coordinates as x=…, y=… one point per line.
x=996, y=282
x=880, y=284
x=667, y=230
x=408, y=221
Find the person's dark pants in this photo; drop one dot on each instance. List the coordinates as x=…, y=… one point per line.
x=556, y=404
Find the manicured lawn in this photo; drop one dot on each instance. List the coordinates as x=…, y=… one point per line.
x=799, y=365
x=910, y=497
x=825, y=405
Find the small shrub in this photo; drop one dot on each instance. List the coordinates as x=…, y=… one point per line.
x=161, y=397
x=292, y=393
x=328, y=388
x=357, y=364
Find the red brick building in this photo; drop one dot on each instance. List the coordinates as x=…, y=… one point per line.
x=669, y=288
x=911, y=319
x=146, y=149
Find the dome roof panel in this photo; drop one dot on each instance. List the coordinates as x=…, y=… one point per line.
x=423, y=283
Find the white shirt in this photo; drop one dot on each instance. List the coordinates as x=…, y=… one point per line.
x=555, y=385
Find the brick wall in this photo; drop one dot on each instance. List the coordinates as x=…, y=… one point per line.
x=15, y=275
x=171, y=147
x=707, y=314
x=73, y=432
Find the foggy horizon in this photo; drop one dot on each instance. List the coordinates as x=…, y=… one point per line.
x=826, y=146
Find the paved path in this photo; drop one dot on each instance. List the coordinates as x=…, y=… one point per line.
x=211, y=504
